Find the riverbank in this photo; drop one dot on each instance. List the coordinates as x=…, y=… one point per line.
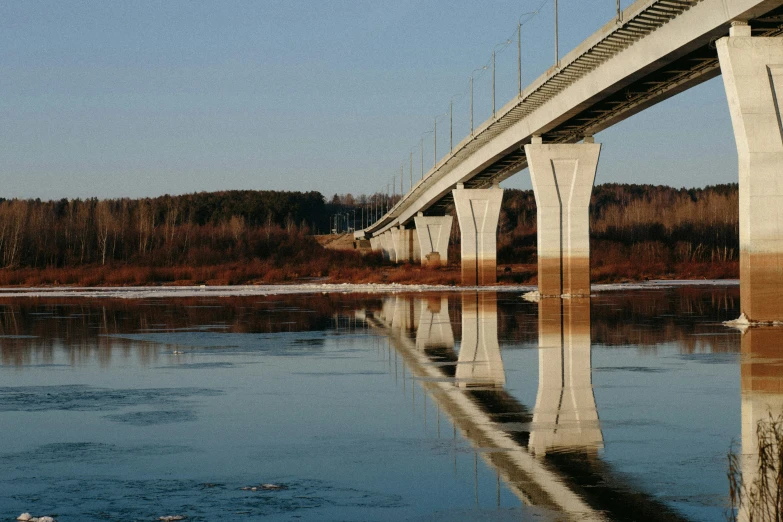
x=262, y=272
x=143, y=292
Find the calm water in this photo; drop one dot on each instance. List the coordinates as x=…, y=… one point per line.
x=372, y=407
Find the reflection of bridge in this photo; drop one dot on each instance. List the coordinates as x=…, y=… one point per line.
x=656, y=49
x=548, y=457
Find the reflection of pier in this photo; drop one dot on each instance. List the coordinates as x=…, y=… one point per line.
x=548, y=457
x=565, y=414
x=479, y=362
x=762, y=395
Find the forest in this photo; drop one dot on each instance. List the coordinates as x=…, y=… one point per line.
x=637, y=232
x=640, y=231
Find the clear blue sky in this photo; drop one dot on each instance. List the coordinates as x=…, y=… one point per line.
x=143, y=98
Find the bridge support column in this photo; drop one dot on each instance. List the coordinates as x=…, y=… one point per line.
x=752, y=69
x=401, y=238
x=387, y=246
x=415, y=250
x=375, y=244
x=478, y=211
x=563, y=177
x=432, y=236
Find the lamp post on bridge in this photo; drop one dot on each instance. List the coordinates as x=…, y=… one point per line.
x=451, y=120
x=471, y=95
x=557, y=42
x=519, y=55
x=411, y=167
x=494, y=51
x=421, y=153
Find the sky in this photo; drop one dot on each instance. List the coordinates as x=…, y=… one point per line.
x=136, y=99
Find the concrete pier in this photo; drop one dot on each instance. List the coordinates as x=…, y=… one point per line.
x=387, y=246
x=403, y=243
x=479, y=363
x=565, y=415
x=752, y=69
x=563, y=177
x=478, y=211
x=432, y=238
x=375, y=244
x=415, y=249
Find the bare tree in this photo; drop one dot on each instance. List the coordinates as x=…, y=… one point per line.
x=237, y=227
x=14, y=217
x=105, y=225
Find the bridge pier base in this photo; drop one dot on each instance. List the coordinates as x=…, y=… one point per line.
x=387, y=246
x=478, y=211
x=752, y=69
x=563, y=176
x=402, y=239
x=375, y=244
x=414, y=246
x=432, y=237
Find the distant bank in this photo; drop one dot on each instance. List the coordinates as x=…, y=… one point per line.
x=638, y=232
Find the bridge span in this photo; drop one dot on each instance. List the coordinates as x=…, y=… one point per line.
x=656, y=49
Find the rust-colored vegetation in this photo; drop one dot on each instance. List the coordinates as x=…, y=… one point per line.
x=638, y=232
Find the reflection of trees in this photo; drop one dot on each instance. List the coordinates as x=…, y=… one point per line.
x=82, y=325
x=643, y=318
x=684, y=315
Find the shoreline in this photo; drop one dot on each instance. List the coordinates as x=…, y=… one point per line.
x=145, y=292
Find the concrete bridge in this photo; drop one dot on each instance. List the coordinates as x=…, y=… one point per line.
x=656, y=49
x=548, y=456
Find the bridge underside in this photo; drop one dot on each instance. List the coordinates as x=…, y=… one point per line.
x=695, y=67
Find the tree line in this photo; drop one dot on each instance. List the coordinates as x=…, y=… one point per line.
x=647, y=225
x=163, y=230
x=655, y=223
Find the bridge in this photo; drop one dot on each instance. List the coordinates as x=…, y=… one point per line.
x=652, y=51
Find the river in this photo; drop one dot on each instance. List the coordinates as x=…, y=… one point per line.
x=379, y=406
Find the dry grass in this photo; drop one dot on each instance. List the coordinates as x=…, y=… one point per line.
x=265, y=272
x=254, y=272
x=759, y=498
